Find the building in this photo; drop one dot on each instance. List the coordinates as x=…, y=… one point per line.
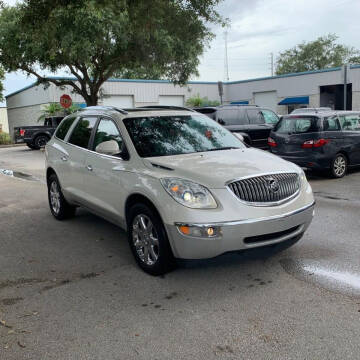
x=280, y=93
x=4, y=125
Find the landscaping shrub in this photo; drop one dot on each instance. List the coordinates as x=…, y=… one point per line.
x=4, y=138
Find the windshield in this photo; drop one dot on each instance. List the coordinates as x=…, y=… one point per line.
x=297, y=124
x=174, y=135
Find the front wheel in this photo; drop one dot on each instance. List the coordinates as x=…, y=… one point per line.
x=339, y=166
x=148, y=240
x=59, y=207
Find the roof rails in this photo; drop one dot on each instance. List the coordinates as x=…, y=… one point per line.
x=251, y=105
x=165, y=107
x=122, y=111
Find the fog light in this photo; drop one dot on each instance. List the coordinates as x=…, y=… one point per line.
x=199, y=230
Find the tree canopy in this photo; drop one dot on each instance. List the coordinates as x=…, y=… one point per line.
x=321, y=53
x=95, y=40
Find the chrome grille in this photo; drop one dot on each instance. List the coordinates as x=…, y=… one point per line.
x=266, y=189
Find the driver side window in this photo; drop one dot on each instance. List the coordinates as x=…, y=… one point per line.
x=107, y=131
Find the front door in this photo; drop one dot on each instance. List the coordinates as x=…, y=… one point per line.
x=105, y=173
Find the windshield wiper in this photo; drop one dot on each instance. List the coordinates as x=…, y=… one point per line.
x=224, y=148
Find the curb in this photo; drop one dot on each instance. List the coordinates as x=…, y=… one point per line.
x=11, y=145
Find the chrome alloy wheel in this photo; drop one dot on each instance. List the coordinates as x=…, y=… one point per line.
x=55, y=197
x=339, y=166
x=145, y=239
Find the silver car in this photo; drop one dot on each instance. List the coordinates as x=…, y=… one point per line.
x=178, y=182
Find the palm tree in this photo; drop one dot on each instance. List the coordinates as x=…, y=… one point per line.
x=55, y=109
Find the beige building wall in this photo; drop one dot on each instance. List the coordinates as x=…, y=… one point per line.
x=4, y=124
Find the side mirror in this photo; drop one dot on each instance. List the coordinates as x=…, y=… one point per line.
x=110, y=147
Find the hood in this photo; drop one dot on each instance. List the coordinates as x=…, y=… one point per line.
x=214, y=168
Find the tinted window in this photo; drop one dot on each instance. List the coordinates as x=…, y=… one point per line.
x=296, y=125
x=255, y=116
x=270, y=117
x=227, y=116
x=331, y=124
x=64, y=127
x=47, y=122
x=82, y=132
x=107, y=131
x=173, y=135
x=350, y=122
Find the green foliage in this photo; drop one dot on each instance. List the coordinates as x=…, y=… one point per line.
x=55, y=109
x=2, y=77
x=5, y=138
x=321, y=53
x=198, y=101
x=95, y=40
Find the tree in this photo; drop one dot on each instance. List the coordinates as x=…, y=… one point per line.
x=94, y=40
x=197, y=101
x=55, y=109
x=2, y=77
x=321, y=53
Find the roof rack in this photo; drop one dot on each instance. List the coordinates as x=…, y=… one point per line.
x=122, y=111
x=165, y=107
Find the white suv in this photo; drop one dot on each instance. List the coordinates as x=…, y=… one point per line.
x=180, y=184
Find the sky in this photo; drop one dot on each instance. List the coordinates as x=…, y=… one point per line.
x=258, y=28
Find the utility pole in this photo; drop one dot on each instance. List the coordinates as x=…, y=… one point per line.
x=272, y=63
x=345, y=70
x=226, y=63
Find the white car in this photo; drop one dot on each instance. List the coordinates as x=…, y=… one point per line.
x=180, y=184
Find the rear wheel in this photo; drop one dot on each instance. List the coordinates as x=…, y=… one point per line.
x=59, y=207
x=148, y=240
x=40, y=141
x=339, y=166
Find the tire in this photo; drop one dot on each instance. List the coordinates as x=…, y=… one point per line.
x=40, y=141
x=59, y=207
x=148, y=240
x=32, y=147
x=339, y=166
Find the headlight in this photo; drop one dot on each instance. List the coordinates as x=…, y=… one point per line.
x=303, y=176
x=189, y=194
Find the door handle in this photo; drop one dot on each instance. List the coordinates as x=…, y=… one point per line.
x=64, y=158
x=89, y=167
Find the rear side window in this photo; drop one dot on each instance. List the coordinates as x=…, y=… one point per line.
x=350, y=122
x=331, y=123
x=229, y=117
x=270, y=117
x=255, y=116
x=297, y=125
x=107, y=131
x=64, y=127
x=82, y=132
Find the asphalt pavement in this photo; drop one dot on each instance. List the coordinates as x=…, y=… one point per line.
x=71, y=290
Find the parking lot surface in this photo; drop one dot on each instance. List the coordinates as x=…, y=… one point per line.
x=71, y=290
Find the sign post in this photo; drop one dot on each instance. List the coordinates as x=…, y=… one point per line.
x=65, y=101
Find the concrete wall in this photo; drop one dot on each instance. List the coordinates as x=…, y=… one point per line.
x=4, y=125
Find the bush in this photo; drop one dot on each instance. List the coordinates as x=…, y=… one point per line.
x=197, y=101
x=5, y=138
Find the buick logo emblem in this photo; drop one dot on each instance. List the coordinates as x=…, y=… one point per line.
x=272, y=184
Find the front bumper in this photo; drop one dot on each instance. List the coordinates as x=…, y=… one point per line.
x=239, y=235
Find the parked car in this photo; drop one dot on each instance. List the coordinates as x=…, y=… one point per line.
x=310, y=110
x=324, y=140
x=37, y=136
x=178, y=182
x=254, y=123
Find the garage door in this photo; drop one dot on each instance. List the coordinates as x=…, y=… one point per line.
x=266, y=99
x=121, y=101
x=173, y=100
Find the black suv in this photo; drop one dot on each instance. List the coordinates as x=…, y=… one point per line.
x=323, y=140
x=254, y=123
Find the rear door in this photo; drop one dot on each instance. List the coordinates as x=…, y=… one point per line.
x=292, y=131
x=73, y=158
x=332, y=132
x=231, y=119
x=350, y=124
x=259, y=131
